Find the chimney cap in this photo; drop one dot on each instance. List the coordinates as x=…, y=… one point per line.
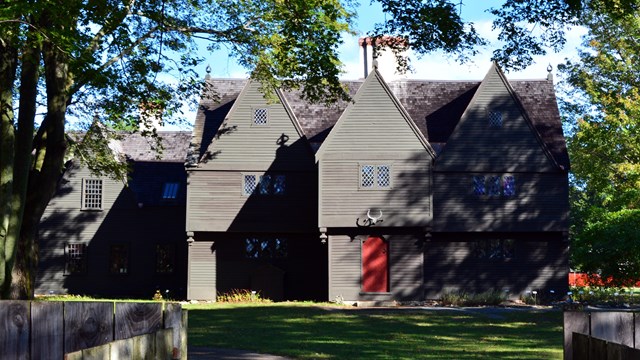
x=384, y=40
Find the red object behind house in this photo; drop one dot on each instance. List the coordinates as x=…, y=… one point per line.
x=584, y=279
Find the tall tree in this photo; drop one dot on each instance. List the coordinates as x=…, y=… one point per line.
x=603, y=113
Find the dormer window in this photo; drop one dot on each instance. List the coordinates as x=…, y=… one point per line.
x=495, y=118
x=170, y=191
x=260, y=116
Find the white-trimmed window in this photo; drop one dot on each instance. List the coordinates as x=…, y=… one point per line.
x=170, y=190
x=495, y=118
x=260, y=116
x=91, y=194
x=263, y=184
x=375, y=176
x=75, y=258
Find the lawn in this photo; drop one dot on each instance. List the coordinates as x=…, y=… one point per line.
x=307, y=331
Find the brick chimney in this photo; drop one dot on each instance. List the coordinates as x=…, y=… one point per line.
x=384, y=55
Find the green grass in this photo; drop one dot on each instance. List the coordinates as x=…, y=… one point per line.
x=306, y=331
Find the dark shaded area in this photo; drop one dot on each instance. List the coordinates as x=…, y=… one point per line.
x=139, y=220
x=292, y=216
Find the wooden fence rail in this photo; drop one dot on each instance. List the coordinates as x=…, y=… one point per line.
x=48, y=330
x=603, y=329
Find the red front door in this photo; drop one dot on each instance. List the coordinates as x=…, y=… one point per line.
x=375, y=265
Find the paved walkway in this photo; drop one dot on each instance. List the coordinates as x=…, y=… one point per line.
x=203, y=353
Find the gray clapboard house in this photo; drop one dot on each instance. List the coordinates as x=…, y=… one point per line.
x=109, y=238
x=413, y=189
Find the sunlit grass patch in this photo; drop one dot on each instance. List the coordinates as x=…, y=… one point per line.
x=313, y=332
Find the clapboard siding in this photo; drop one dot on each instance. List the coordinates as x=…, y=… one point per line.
x=215, y=203
x=141, y=229
x=344, y=268
x=69, y=193
x=406, y=266
x=539, y=263
x=239, y=141
x=475, y=146
x=374, y=130
x=540, y=203
x=202, y=270
x=406, y=203
x=373, y=122
x=125, y=218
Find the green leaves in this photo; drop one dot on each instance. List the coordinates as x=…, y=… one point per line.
x=610, y=246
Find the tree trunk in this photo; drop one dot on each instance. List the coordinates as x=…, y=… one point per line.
x=8, y=65
x=22, y=154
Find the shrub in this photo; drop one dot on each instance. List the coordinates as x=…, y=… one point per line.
x=462, y=298
x=241, y=295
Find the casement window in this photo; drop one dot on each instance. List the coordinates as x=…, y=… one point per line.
x=170, y=190
x=165, y=258
x=265, y=248
x=494, y=186
x=75, y=255
x=91, y=194
x=119, y=259
x=495, y=118
x=263, y=184
x=493, y=249
x=260, y=117
x=479, y=185
x=375, y=176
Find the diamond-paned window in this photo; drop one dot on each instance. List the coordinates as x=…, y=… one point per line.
x=265, y=185
x=367, y=176
x=92, y=194
x=509, y=185
x=170, y=190
x=266, y=248
x=494, y=249
x=375, y=176
x=495, y=118
x=494, y=186
x=384, y=176
x=279, y=184
x=478, y=185
x=75, y=258
x=249, y=184
x=260, y=116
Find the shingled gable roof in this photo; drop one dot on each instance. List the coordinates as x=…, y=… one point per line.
x=140, y=148
x=375, y=75
x=435, y=106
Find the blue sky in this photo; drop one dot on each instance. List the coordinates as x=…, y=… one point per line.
x=435, y=66
x=432, y=66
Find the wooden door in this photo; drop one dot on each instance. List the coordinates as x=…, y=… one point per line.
x=375, y=265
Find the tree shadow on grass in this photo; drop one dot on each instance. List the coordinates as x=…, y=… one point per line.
x=315, y=333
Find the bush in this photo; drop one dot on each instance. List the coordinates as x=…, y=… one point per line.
x=242, y=295
x=462, y=298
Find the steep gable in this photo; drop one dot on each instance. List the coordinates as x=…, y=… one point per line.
x=495, y=133
x=375, y=122
x=257, y=134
